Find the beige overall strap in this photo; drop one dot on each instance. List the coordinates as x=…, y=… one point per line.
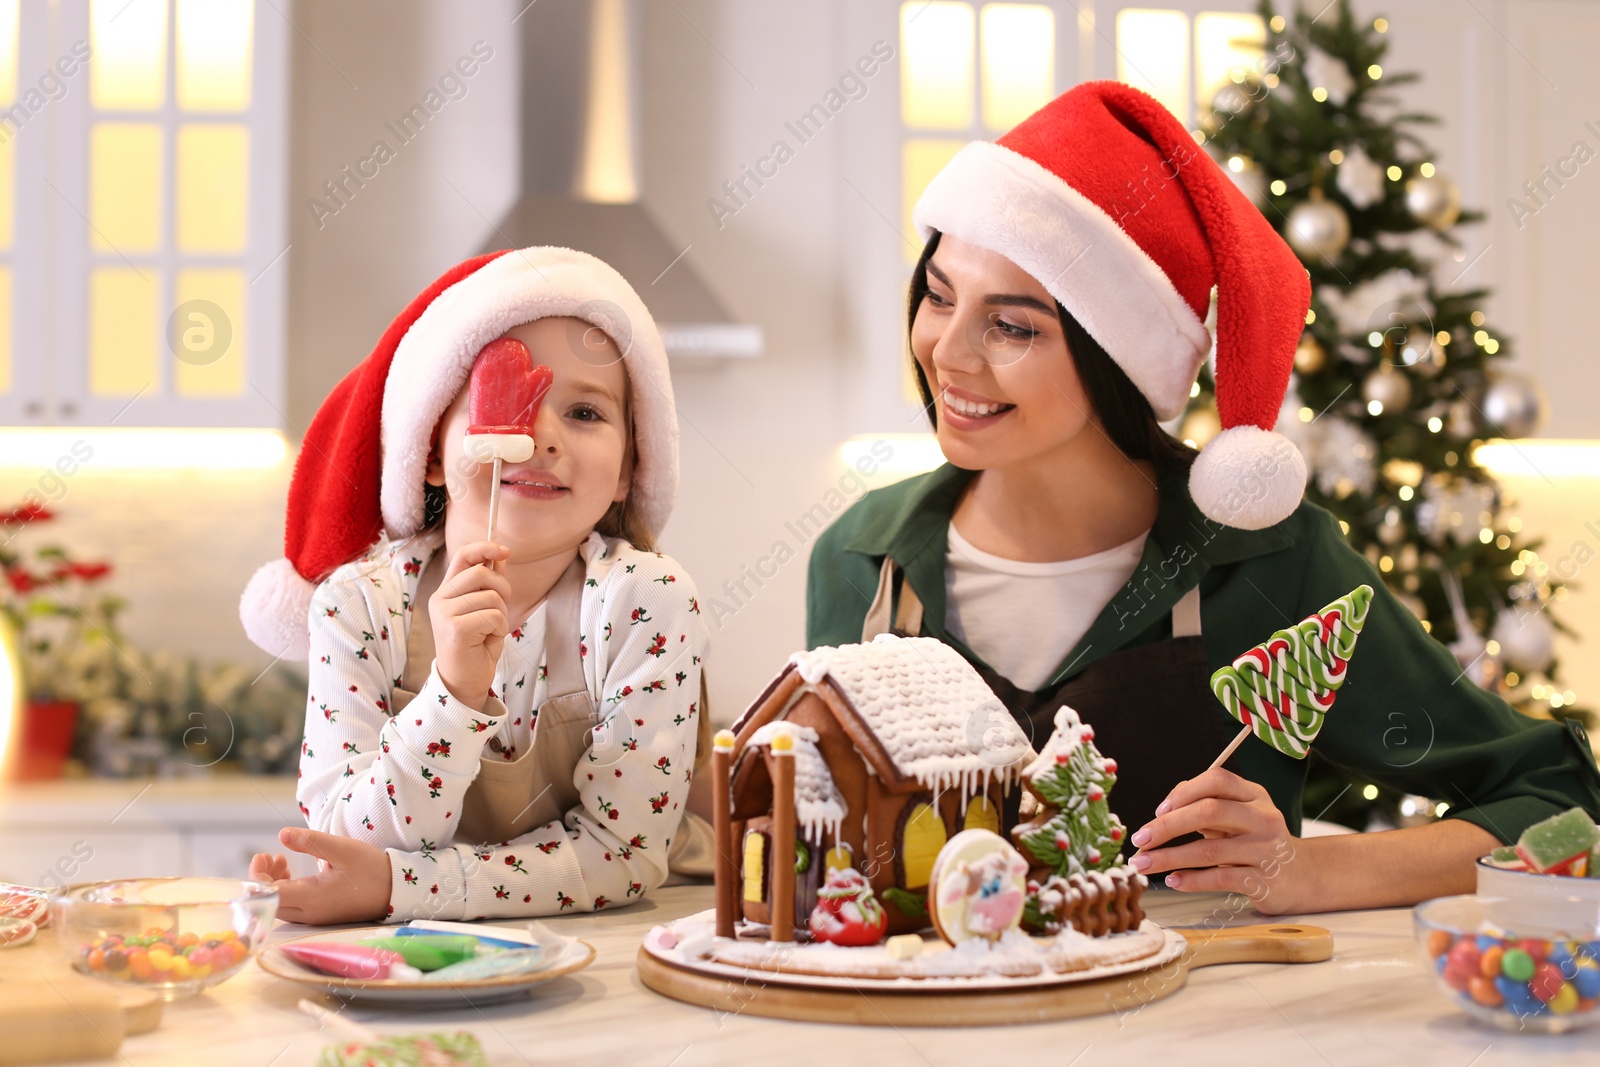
x=1186, y=614
x=907, y=616
x=419, y=637
x=563, y=661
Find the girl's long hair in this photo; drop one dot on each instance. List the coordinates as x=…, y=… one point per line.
x=1124, y=412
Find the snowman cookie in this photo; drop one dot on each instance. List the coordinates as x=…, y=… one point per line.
x=978, y=887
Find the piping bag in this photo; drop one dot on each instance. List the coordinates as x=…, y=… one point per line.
x=506, y=390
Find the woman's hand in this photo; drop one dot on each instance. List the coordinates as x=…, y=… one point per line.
x=470, y=622
x=352, y=885
x=1246, y=849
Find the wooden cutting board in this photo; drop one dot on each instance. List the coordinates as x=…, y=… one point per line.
x=910, y=1004
x=50, y=1013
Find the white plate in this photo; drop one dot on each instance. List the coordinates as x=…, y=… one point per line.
x=578, y=955
x=1172, y=948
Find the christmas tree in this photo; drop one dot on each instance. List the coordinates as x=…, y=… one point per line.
x=1075, y=830
x=1398, y=376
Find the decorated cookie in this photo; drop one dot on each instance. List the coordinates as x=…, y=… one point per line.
x=1559, y=844
x=977, y=888
x=847, y=913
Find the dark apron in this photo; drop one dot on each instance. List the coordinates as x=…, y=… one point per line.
x=1151, y=706
x=508, y=798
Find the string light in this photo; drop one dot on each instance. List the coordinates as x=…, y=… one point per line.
x=1374, y=407
x=1406, y=492
x=1374, y=72
x=1477, y=318
x=1371, y=792
x=1435, y=424
x=1194, y=390
x=1381, y=25
x=1395, y=173
x=1426, y=170
x=1311, y=316
x=1279, y=187
x=1319, y=94
x=1336, y=157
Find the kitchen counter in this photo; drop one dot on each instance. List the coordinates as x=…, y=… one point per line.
x=1372, y=1003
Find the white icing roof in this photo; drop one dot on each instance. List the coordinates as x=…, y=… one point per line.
x=817, y=803
x=937, y=720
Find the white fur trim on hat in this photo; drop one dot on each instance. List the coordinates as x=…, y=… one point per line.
x=274, y=609
x=435, y=357
x=1007, y=203
x=1248, y=478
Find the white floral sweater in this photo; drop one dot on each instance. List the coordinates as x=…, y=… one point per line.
x=398, y=780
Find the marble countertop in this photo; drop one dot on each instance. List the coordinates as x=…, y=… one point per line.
x=1372, y=1003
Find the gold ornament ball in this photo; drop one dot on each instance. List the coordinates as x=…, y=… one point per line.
x=1388, y=387
x=1318, y=230
x=1310, y=357
x=1200, y=425
x=1434, y=201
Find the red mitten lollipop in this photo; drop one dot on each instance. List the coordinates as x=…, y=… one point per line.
x=506, y=392
x=503, y=404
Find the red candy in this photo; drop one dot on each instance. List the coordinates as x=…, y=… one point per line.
x=506, y=389
x=1546, y=982
x=1537, y=949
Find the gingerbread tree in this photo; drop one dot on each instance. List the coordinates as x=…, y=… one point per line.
x=1075, y=831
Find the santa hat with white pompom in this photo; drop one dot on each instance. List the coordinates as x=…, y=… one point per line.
x=1107, y=200
x=362, y=463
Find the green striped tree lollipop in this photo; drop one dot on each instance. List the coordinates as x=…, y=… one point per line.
x=1281, y=689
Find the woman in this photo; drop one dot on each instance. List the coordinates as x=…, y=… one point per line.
x=1075, y=553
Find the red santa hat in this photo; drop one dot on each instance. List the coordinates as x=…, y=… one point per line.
x=1108, y=201
x=362, y=463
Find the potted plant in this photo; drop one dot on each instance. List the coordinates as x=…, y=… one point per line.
x=67, y=637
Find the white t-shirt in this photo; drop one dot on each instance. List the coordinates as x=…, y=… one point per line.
x=1023, y=618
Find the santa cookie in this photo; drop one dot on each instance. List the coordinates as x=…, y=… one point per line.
x=977, y=888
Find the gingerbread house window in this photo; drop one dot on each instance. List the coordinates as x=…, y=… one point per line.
x=755, y=863
x=981, y=814
x=922, y=835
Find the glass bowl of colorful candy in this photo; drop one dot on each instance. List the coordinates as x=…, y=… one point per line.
x=1536, y=978
x=174, y=936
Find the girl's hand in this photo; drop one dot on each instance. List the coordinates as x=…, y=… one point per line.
x=1247, y=847
x=352, y=886
x=470, y=622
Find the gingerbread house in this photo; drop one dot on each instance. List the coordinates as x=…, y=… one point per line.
x=896, y=745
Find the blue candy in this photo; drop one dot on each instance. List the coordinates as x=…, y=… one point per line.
x=1485, y=942
x=1587, y=979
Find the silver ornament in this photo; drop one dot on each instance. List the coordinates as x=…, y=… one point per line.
x=1391, y=531
x=1434, y=201
x=1318, y=229
x=1527, y=638
x=1249, y=177
x=1422, y=352
x=1388, y=387
x=1513, y=405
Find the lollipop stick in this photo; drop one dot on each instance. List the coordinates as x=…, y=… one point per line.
x=1235, y=743
x=494, y=500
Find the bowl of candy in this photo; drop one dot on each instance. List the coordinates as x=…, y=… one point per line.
x=1550, y=877
x=1536, y=978
x=172, y=936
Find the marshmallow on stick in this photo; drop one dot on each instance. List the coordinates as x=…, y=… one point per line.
x=503, y=404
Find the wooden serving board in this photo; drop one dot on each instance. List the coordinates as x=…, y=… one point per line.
x=919, y=1003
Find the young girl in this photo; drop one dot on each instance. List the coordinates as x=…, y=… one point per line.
x=494, y=728
x=1076, y=554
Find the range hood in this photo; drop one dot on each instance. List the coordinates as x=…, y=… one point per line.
x=580, y=185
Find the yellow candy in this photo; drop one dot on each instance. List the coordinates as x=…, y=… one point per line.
x=182, y=971
x=1565, y=1000
x=160, y=959
x=202, y=971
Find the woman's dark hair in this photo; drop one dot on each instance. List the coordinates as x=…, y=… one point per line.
x=1123, y=410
